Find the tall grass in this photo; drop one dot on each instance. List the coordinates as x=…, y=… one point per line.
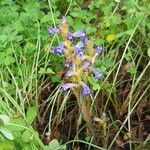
x=106, y=99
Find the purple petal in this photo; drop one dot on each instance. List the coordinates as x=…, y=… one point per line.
x=99, y=49
x=67, y=86
x=86, y=65
x=80, y=54
x=78, y=49
x=86, y=90
x=68, y=64
x=53, y=30
x=97, y=73
x=79, y=46
x=58, y=49
x=70, y=37
x=80, y=33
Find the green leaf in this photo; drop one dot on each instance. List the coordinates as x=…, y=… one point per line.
x=78, y=25
x=31, y=114
x=112, y=20
x=92, y=80
x=6, y=145
x=55, y=79
x=77, y=13
x=10, y=51
x=18, y=26
x=94, y=83
x=5, y=118
x=128, y=56
x=91, y=30
x=50, y=71
x=9, y=60
x=54, y=144
x=96, y=86
x=2, y=57
x=7, y=133
x=19, y=121
x=131, y=70
x=70, y=20
x=7, y=2
x=27, y=136
x=27, y=146
x=44, y=70
x=46, y=18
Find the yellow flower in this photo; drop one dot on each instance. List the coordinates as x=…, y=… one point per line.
x=111, y=37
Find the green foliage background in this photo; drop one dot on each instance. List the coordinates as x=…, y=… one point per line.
x=26, y=61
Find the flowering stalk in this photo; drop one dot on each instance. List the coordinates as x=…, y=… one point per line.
x=80, y=55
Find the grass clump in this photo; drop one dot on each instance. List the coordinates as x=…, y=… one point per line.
x=35, y=112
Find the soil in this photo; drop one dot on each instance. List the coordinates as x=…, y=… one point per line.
x=66, y=129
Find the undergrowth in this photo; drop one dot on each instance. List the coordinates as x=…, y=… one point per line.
x=35, y=112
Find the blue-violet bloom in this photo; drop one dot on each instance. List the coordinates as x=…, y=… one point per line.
x=79, y=46
x=86, y=90
x=67, y=86
x=97, y=73
x=68, y=64
x=70, y=37
x=99, y=49
x=86, y=66
x=53, y=30
x=80, y=33
x=58, y=49
x=80, y=55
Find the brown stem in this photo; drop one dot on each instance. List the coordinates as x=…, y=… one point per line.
x=85, y=108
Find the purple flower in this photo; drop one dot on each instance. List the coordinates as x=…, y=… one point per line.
x=80, y=54
x=80, y=33
x=78, y=49
x=58, y=49
x=67, y=86
x=79, y=46
x=86, y=65
x=86, y=90
x=53, y=30
x=68, y=64
x=70, y=37
x=99, y=49
x=97, y=73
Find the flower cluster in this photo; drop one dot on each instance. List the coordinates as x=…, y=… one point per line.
x=80, y=54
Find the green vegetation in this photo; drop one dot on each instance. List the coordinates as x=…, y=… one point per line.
x=36, y=114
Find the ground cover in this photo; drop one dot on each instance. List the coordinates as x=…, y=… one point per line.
x=36, y=112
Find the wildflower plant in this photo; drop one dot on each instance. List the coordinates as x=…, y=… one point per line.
x=80, y=54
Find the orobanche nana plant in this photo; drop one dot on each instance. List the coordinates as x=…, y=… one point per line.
x=80, y=54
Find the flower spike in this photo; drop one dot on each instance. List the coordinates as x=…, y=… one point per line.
x=80, y=55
